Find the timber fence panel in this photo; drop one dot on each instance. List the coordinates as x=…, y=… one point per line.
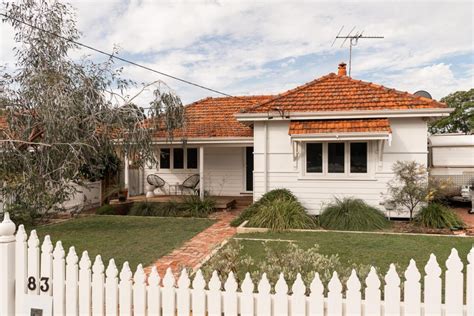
x=85, y=283
x=78, y=287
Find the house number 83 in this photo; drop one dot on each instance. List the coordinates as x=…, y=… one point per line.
x=44, y=284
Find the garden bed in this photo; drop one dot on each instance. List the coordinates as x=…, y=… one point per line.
x=396, y=227
x=352, y=248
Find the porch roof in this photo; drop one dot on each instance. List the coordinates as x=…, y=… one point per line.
x=213, y=118
x=365, y=128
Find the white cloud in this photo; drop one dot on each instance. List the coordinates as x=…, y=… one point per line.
x=257, y=47
x=437, y=79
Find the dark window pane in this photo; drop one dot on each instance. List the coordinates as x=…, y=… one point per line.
x=336, y=157
x=178, y=158
x=192, y=158
x=358, y=157
x=165, y=158
x=314, y=158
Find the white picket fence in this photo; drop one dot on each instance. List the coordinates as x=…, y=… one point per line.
x=78, y=287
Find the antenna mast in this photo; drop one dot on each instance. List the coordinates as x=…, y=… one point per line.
x=353, y=41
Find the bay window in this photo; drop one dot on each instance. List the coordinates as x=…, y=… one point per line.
x=336, y=158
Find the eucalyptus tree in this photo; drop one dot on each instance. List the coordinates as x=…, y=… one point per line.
x=68, y=119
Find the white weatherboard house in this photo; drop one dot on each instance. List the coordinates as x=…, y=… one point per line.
x=332, y=137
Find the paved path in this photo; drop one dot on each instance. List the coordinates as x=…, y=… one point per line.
x=199, y=248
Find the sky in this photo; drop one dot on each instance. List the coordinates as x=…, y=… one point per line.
x=268, y=47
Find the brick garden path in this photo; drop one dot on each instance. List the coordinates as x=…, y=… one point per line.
x=199, y=248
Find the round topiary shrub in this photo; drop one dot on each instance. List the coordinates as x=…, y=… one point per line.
x=436, y=215
x=352, y=214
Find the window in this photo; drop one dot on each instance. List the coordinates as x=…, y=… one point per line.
x=192, y=158
x=336, y=157
x=165, y=158
x=178, y=158
x=358, y=157
x=314, y=158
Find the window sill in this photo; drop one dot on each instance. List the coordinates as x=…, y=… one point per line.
x=332, y=178
x=177, y=171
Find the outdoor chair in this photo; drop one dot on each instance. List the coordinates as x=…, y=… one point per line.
x=155, y=182
x=191, y=183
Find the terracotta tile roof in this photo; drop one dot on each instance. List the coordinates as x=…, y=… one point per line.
x=3, y=122
x=214, y=117
x=341, y=93
x=339, y=126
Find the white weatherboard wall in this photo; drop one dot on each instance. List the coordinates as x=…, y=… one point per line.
x=409, y=142
x=224, y=171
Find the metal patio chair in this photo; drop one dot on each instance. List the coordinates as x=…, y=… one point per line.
x=155, y=180
x=191, y=183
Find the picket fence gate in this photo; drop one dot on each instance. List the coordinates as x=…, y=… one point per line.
x=78, y=287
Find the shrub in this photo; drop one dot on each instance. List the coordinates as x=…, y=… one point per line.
x=409, y=187
x=436, y=215
x=352, y=214
x=169, y=209
x=143, y=209
x=289, y=259
x=281, y=214
x=268, y=197
x=106, y=209
x=196, y=207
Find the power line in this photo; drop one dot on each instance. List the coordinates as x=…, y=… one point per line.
x=123, y=59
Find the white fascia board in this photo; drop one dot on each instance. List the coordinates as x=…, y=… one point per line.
x=210, y=140
x=341, y=136
x=331, y=115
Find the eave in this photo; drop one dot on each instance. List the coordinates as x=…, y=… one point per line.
x=331, y=115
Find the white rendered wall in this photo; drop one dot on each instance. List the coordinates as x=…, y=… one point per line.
x=409, y=142
x=224, y=172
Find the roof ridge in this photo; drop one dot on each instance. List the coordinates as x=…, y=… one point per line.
x=288, y=92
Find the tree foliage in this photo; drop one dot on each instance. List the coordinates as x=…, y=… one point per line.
x=409, y=188
x=68, y=119
x=461, y=119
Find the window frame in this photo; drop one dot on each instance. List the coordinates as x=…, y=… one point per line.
x=325, y=175
x=185, y=168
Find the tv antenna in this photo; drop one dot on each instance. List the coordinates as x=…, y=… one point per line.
x=353, y=41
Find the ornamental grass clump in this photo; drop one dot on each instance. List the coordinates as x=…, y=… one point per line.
x=195, y=207
x=435, y=215
x=281, y=214
x=268, y=197
x=143, y=209
x=352, y=214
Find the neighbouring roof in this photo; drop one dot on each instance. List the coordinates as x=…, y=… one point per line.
x=339, y=126
x=342, y=93
x=214, y=117
x=3, y=122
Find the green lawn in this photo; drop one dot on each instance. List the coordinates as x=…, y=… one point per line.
x=125, y=238
x=374, y=249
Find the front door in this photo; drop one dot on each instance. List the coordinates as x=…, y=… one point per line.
x=249, y=169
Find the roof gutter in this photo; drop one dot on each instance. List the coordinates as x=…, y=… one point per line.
x=342, y=136
x=331, y=115
x=206, y=140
